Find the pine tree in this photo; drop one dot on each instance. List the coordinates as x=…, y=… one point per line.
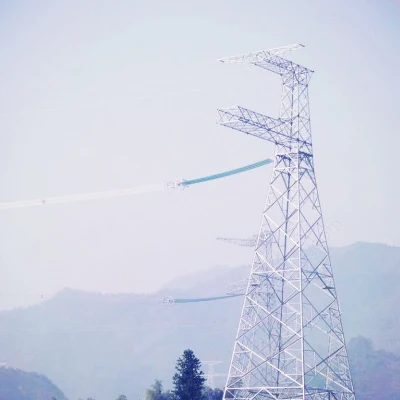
x=188, y=380
x=213, y=394
x=156, y=392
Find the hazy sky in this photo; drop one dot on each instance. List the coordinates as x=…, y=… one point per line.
x=101, y=95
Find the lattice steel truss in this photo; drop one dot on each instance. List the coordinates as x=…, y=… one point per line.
x=290, y=342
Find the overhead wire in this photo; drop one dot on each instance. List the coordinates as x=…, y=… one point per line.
x=126, y=192
x=201, y=299
x=226, y=173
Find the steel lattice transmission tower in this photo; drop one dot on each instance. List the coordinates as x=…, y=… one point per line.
x=290, y=342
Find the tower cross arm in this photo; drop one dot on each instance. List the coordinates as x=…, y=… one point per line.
x=277, y=51
x=255, y=124
x=271, y=60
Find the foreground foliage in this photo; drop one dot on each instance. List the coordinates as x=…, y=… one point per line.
x=188, y=382
x=189, y=379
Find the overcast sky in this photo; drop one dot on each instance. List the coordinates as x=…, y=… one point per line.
x=101, y=95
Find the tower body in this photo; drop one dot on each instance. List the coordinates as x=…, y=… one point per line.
x=290, y=342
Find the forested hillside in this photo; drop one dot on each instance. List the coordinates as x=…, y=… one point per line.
x=19, y=385
x=375, y=372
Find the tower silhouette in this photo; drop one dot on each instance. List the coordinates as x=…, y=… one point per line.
x=290, y=342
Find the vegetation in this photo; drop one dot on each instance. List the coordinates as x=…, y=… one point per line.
x=155, y=392
x=143, y=349
x=375, y=372
x=121, y=397
x=19, y=385
x=138, y=332
x=188, y=382
x=368, y=367
x=213, y=394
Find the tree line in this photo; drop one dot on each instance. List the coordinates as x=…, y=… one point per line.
x=369, y=367
x=188, y=383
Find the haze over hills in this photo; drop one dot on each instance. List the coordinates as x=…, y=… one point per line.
x=375, y=372
x=98, y=345
x=19, y=385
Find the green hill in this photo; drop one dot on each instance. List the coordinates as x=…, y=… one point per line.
x=19, y=385
x=375, y=372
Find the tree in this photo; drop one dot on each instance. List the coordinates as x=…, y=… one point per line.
x=122, y=397
x=167, y=396
x=212, y=394
x=188, y=380
x=156, y=392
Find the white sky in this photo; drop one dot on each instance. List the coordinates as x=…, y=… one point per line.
x=100, y=95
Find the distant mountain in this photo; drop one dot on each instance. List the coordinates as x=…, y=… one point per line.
x=367, y=276
x=103, y=345
x=20, y=385
x=375, y=372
